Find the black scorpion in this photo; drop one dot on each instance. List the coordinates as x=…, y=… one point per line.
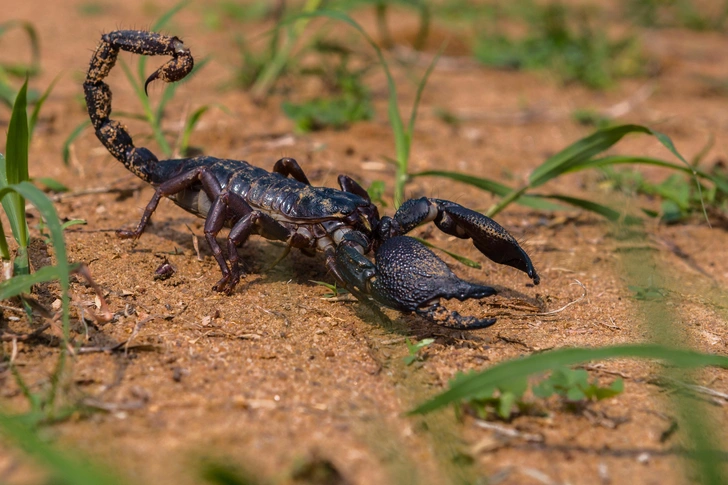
x=343, y=224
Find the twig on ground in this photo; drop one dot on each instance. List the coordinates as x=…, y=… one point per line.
x=92, y=191
x=114, y=348
x=720, y=398
x=112, y=406
x=142, y=319
x=624, y=107
x=11, y=308
x=512, y=340
x=568, y=304
x=338, y=298
x=509, y=432
x=601, y=368
x=424, y=59
x=12, y=337
x=613, y=327
x=195, y=243
x=277, y=314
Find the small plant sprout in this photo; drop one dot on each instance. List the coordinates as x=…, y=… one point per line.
x=495, y=401
x=14, y=170
x=647, y=293
x=575, y=387
x=376, y=192
x=503, y=399
x=414, y=349
x=8, y=93
x=479, y=385
x=334, y=291
x=349, y=101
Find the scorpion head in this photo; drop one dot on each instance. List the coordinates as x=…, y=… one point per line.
x=407, y=276
x=365, y=220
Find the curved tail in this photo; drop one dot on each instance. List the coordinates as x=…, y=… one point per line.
x=113, y=134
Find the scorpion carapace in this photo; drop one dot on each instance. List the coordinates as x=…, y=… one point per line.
x=282, y=205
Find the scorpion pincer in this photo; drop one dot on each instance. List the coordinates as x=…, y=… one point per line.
x=282, y=205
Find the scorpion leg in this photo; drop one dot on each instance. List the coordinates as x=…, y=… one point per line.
x=408, y=277
x=348, y=184
x=251, y=220
x=488, y=236
x=171, y=187
x=288, y=166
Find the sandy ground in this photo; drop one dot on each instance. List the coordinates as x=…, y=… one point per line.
x=275, y=379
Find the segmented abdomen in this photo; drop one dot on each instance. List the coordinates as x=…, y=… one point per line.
x=282, y=198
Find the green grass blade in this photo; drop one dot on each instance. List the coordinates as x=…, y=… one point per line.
x=580, y=151
x=512, y=370
x=50, y=216
x=667, y=143
x=401, y=136
x=48, y=212
x=23, y=283
x=73, y=222
x=167, y=95
x=421, y=87
x=578, y=155
x=148, y=112
x=167, y=16
x=16, y=167
x=135, y=84
x=7, y=93
x=462, y=259
x=722, y=184
x=51, y=184
x=403, y=139
x=156, y=27
x=602, y=210
x=4, y=249
x=280, y=54
x=66, y=150
x=629, y=160
x=496, y=188
x=34, y=67
x=170, y=89
x=64, y=469
x=39, y=104
x=190, y=126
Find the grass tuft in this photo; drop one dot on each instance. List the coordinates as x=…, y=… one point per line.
x=576, y=53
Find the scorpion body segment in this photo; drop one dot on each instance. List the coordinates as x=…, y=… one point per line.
x=282, y=205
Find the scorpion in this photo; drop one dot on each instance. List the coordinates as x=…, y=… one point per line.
x=283, y=205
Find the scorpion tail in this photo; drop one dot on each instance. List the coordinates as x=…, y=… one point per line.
x=111, y=133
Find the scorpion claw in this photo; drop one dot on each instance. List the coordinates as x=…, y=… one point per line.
x=488, y=236
x=440, y=315
x=409, y=277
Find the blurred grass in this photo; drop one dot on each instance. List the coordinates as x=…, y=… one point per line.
x=565, y=40
x=15, y=190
